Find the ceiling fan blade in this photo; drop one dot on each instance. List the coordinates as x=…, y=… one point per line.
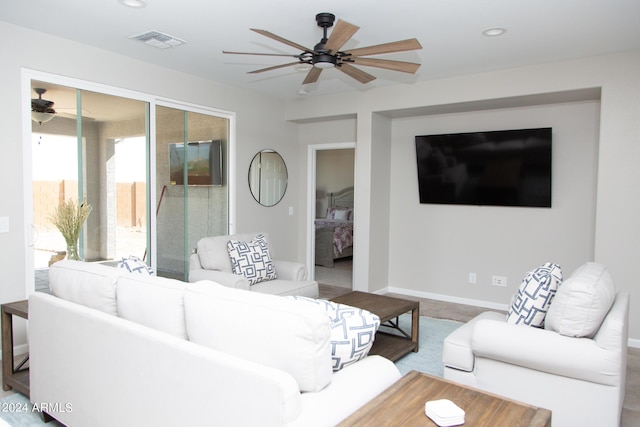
x=341, y=34
x=405, y=67
x=275, y=67
x=399, y=46
x=312, y=75
x=261, y=54
x=282, y=40
x=357, y=74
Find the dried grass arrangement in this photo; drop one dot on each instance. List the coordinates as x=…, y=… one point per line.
x=69, y=217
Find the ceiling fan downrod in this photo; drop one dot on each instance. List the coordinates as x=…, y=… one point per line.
x=324, y=59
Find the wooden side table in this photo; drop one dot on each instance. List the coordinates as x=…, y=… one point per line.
x=13, y=377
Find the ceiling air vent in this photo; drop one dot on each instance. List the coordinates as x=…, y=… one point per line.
x=158, y=39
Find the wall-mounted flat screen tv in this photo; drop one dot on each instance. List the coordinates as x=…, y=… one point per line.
x=203, y=160
x=499, y=168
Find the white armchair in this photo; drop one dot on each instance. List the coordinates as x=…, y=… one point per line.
x=581, y=380
x=211, y=261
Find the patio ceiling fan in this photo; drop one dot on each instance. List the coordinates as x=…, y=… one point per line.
x=41, y=109
x=327, y=53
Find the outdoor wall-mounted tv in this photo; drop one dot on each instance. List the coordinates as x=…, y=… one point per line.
x=203, y=161
x=500, y=168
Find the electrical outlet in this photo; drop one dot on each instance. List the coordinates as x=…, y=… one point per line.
x=499, y=281
x=472, y=277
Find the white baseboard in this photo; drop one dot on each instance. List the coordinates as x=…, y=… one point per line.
x=447, y=298
x=632, y=342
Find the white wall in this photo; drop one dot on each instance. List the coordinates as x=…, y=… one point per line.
x=259, y=125
x=615, y=233
x=432, y=245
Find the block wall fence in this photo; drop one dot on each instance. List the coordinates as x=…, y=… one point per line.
x=130, y=202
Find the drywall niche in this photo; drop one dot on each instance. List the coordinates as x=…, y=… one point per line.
x=577, y=95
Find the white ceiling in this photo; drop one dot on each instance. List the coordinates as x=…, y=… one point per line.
x=450, y=32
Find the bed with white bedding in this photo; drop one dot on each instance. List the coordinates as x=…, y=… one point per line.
x=334, y=233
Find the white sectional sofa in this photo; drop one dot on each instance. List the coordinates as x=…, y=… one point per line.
x=112, y=348
x=575, y=365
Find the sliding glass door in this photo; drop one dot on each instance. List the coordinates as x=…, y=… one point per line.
x=191, y=184
x=90, y=149
x=96, y=148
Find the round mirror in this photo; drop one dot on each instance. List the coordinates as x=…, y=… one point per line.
x=268, y=177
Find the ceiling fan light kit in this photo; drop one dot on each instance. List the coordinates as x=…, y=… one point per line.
x=327, y=53
x=324, y=60
x=41, y=118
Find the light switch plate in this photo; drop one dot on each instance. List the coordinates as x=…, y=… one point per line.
x=4, y=224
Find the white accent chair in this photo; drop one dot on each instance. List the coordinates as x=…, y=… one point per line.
x=211, y=262
x=581, y=380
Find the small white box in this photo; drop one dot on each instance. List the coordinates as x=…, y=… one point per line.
x=444, y=412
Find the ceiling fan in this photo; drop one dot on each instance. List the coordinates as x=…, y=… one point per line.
x=41, y=109
x=327, y=53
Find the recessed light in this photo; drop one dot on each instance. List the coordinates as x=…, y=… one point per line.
x=494, y=32
x=302, y=92
x=134, y=3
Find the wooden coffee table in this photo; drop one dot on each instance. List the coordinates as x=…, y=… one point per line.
x=390, y=345
x=402, y=404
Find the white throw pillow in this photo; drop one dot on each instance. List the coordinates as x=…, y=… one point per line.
x=252, y=259
x=532, y=300
x=353, y=331
x=341, y=215
x=582, y=302
x=89, y=284
x=133, y=264
x=156, y=302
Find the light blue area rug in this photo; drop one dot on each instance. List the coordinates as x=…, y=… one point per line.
x=429, y=357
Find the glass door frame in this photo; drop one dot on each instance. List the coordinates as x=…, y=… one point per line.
x=189, y=110
x=27, y=75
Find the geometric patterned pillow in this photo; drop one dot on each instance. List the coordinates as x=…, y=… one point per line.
x=530, y=304
x=353, y=331
x=252, y=259
x=133, y=264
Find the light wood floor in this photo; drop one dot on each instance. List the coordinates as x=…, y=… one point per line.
x=464, y=313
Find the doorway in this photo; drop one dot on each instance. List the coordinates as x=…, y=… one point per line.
x=332, y=177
